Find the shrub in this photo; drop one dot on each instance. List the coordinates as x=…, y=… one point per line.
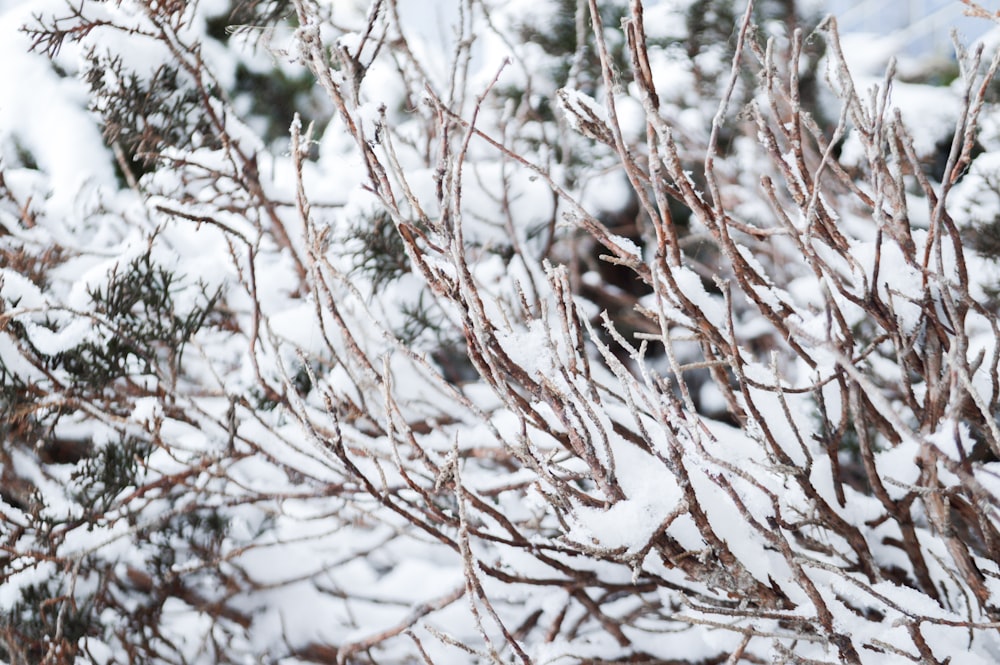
x=618, y=342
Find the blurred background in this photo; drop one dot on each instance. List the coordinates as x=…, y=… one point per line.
x=917, y=28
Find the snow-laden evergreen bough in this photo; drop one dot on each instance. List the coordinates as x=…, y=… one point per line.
x=548, y=332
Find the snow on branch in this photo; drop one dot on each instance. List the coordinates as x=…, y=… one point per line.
x=465, y=332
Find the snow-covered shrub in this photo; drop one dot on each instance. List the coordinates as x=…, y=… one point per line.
x=554, y=332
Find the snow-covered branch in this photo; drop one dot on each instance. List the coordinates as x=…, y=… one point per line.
x=494, y=332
